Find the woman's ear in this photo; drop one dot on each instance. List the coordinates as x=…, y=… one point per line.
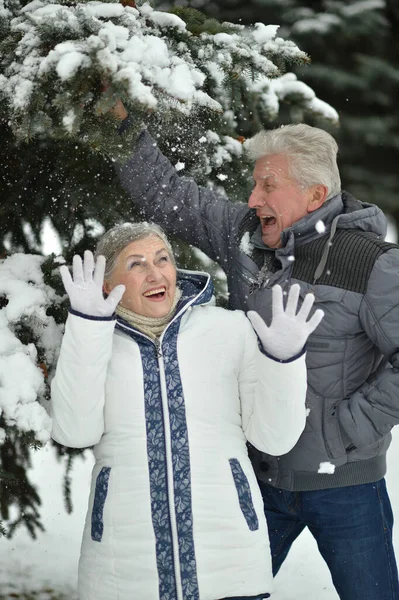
x=107, y=287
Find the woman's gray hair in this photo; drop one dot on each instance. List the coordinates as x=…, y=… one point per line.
x=116, y=239
x=311, y=154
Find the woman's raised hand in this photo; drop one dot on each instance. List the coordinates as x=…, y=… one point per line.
x=85, y=288
x=288, y=331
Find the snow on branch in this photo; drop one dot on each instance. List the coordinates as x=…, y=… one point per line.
x=29, y=345
x=58, y=56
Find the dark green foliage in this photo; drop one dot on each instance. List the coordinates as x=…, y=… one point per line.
x=197, y=22
x=15, y=488
x=359, y=72
x=63, y=181
x=68, y=455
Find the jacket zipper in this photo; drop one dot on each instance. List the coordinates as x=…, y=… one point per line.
x=169, y=472
x=168, y=450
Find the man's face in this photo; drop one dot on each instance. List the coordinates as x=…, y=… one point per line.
x=279, y=201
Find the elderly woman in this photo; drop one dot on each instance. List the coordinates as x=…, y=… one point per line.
x=168, y=391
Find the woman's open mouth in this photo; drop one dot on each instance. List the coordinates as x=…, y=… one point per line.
x=156, y=294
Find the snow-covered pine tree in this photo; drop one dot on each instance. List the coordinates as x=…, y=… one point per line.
x=200, y=86
x=360, y=73
x=29, y=343
x=179, y=72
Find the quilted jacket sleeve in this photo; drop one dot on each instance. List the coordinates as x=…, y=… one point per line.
x=78, y=388
x=195, y=214
x=374, y=409
x=273, y=395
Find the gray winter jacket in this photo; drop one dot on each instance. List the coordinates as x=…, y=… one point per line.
x=352, y=358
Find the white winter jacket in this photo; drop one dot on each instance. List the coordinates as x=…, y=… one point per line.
x=175, y=512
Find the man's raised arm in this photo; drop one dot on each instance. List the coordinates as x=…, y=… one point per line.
x=195, y=214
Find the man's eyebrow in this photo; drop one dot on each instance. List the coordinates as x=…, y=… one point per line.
x=267, y=176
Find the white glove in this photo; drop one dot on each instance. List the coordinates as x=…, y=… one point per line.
x=85, y=290
x=288, y=331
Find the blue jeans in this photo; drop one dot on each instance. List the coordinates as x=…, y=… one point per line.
x=353, y=530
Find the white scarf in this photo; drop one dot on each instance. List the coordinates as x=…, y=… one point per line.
x=151, y=326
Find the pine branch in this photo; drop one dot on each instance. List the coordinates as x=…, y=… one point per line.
x=61, y=95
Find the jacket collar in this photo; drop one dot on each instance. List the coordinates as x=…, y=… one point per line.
x=196, y=287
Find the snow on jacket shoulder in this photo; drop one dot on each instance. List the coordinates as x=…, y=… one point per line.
x=174, y=510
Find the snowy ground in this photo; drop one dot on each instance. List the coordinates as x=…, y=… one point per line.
x=51, y=561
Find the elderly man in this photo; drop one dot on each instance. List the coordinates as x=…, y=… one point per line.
x=299, y=227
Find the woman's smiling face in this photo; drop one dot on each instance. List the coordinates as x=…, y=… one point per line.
x=146, y=269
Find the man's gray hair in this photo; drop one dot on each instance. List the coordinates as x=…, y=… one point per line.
x=311, y=154
x=116, y=239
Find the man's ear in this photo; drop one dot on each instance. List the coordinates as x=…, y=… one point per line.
x=318, y=195
x=107, y=287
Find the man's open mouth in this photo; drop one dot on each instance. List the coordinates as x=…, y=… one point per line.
x=268, y=221
x=156, y=293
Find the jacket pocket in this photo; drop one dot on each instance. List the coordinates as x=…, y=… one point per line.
x=244, y=494
x=100, y=496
